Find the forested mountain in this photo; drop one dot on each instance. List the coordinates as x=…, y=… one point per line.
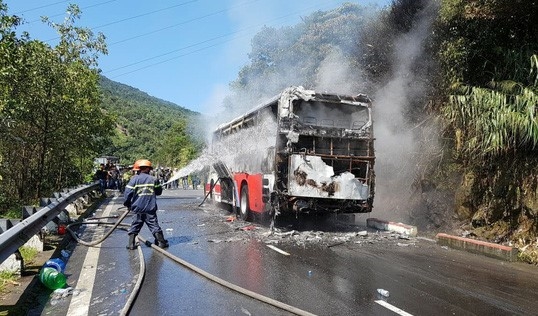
x=144, y=124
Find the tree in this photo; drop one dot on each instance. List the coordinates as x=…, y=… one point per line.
x=306, y=54
x=51, y=98
x=490, y=114
x=177, y=148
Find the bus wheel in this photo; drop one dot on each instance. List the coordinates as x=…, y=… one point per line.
x=244, y=211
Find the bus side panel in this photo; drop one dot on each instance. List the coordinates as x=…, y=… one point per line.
x=255, y=189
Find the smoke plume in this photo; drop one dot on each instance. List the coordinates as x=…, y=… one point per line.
x=396, y=143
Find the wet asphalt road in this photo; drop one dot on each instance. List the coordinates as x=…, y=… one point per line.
x=330, y=270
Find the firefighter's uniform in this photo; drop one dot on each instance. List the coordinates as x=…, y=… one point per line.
x=140, y=196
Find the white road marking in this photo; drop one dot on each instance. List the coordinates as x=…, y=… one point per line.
x=278, y=250
x=393, y=308
x=80, y=304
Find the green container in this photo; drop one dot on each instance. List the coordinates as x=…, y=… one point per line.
x=52, y=279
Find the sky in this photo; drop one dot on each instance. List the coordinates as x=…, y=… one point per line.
x=183, y=51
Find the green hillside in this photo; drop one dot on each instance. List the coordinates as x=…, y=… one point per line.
x=143, y=124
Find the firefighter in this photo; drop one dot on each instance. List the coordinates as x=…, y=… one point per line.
x=141, y=198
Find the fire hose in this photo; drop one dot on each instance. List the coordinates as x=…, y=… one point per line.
x=136, y=289
x=138, y=284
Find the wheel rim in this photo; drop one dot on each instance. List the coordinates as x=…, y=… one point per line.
x=244, y=203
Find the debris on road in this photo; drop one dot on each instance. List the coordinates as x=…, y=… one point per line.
x=309, y=232
x=383, y=292
x=278, y=250
x=250, y=227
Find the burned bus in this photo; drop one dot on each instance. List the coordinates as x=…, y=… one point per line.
x=300, y=152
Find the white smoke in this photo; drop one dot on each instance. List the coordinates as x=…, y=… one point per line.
x=244, y=151
x=396, y=145
x=337, y=75
x=214, y=103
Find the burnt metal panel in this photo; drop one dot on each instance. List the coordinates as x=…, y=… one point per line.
x=222, y=170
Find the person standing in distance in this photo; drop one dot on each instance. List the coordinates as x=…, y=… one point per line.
x=141, y=198
x=101, y=175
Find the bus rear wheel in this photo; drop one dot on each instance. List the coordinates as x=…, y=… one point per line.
x=244, y=210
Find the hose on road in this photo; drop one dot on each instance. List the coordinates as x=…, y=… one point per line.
x=118, y=224
x=134, y=293
x=136, y=289
x=92, y=221
x=227, y=284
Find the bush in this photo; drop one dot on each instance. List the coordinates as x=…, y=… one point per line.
x=529, y=254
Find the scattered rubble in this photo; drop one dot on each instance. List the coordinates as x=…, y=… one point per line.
x=331, y=235
x=309, y=231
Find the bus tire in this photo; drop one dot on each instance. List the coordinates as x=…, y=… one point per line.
x=244, y=210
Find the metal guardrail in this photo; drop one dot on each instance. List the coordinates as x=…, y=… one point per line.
x=16, y=236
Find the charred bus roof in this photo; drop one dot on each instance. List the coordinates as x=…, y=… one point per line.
x=299, y=93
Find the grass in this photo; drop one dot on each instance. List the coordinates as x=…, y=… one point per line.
x=5, y=278
x=12, y=214
x=28, y=254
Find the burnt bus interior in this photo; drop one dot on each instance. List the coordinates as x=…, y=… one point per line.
x=322, y=131
x=248, y=120
x=339, y=133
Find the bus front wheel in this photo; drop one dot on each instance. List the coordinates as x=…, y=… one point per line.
x=244, y=210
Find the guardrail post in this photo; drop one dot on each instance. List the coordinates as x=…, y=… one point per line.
x=44, y=201
x=29, y=231
x=7, y=223
x=62, y=218
x=13, y=263
x=28, y=211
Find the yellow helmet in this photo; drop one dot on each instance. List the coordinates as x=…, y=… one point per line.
x=143, y=163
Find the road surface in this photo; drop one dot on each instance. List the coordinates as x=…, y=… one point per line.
x=322, y=266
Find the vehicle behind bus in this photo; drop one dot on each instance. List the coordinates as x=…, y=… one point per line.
x=319, y=157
